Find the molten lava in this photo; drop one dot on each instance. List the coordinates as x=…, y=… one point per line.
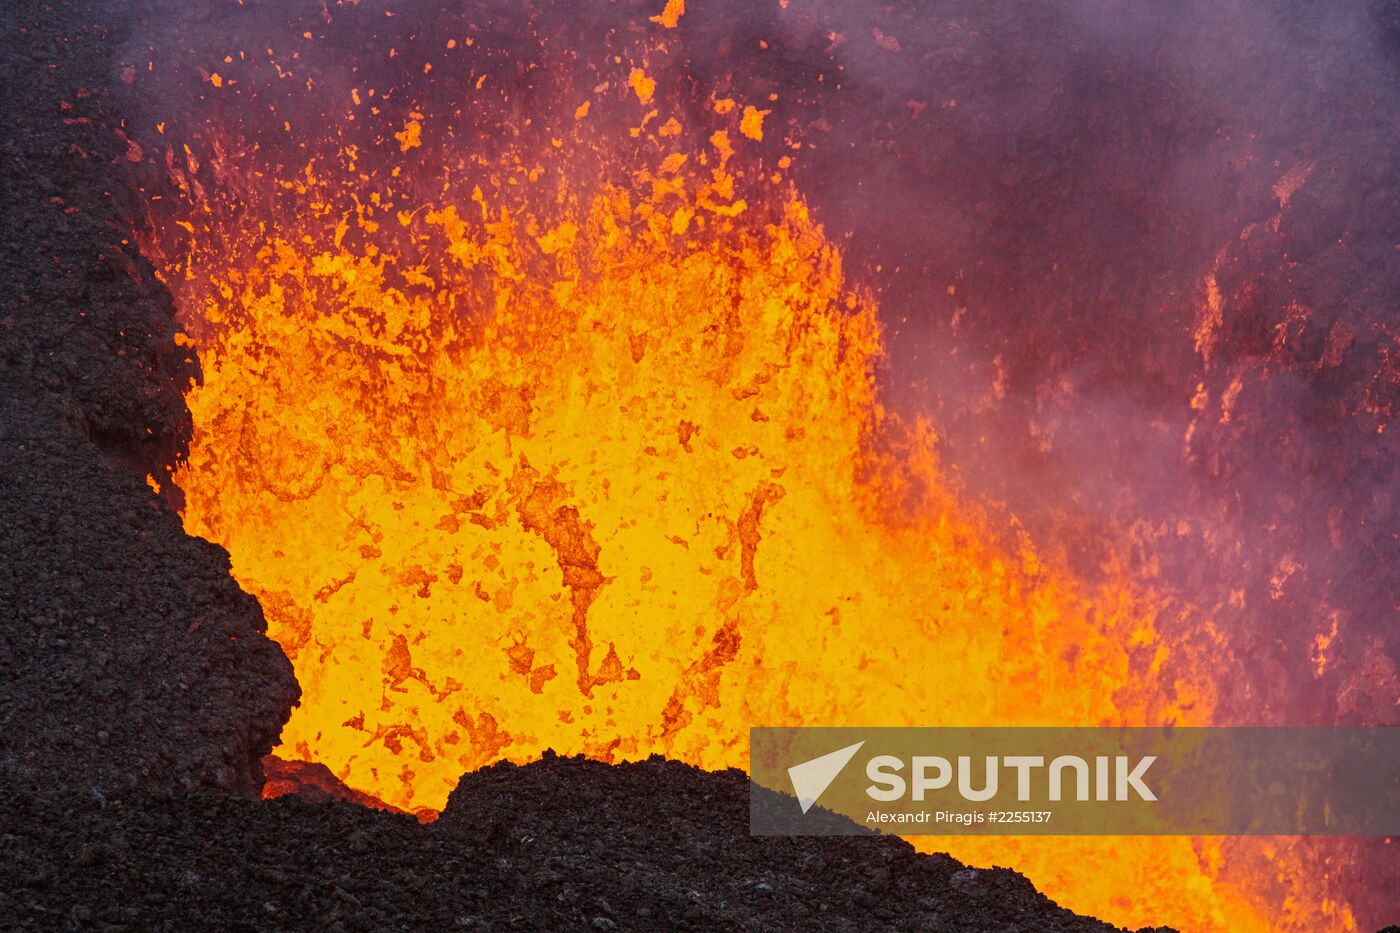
x=548, y=418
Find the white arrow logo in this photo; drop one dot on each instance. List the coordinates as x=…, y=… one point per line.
x=811, y=778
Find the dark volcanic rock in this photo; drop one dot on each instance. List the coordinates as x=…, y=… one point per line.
x=559, y=844
x=659, y=842
x=127, y=653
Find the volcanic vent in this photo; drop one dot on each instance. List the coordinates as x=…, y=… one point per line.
x=544, y=404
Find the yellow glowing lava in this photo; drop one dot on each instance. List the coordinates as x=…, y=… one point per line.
x=523, y=463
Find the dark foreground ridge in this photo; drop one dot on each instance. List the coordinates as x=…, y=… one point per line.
x=563, y=843
x=128, y=655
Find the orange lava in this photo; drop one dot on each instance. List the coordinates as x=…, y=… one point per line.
x=517, y=455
